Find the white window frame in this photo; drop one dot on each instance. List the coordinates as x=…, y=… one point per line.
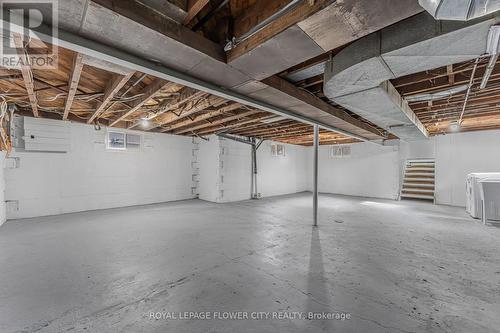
x=134, y=147
x=109, y=147
x=125, y=147
x=342, y=149
x=274, y=150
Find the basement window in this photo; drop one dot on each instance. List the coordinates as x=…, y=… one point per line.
x=133, y=141
x=340, y=152
x=123, y=141
x=277, y=150
x=115, y=141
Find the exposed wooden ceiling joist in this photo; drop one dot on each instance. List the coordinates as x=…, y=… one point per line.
x=217, y=122
x=194, y=7
x=303, y=10
x=197, y=119
x=228, y=126
x=152, y=19
x=26, y=73
x=202, y=104
x=113, y=87
x=73, y=83
x=151, y=91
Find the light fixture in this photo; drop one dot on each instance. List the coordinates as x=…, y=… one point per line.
x=454, y=126
x=144, y=122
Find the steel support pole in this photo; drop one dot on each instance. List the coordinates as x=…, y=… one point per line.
x=315, y=176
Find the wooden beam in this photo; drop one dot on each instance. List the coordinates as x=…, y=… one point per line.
x=255, y=14
x=152, y=19
x=203, y=117
x=451, y=75
x=113, y=87
x=170, y=117
x=286, y=87
x=26, y=73
x=149, y=92
x=217, y=122
x=194, y=7
x=228, y=127
x=73, y=83
x=299, y=13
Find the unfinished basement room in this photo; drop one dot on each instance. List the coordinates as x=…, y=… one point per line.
x=223, y=166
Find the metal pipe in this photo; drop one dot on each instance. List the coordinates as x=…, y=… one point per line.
x=315, y=176
x=254, y=146
x=252, y=176
x=254, y=170
x=489, y=70
x=234, y=138
x=98, y=50
x=471, y=81
x=235, y=41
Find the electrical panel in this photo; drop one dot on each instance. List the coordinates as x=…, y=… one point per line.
x=45, y=135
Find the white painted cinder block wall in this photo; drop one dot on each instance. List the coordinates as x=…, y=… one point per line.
x=376, y=171
x=3, y=216
x=460, y=154
x=91, y=177
x=225, y=170
x=279, y=175
x=371, y=171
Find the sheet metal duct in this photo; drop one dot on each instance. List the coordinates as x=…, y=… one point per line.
x=358, y=76
x=437, y=95
x=459, y=10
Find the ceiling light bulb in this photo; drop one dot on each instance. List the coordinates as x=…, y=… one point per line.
x=454, y=126
x=144, y=122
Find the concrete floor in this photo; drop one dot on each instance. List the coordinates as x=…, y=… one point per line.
x=393, y=266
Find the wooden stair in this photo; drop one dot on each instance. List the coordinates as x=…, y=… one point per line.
x=418, y=180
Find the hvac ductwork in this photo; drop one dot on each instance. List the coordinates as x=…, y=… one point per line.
x=459, y=10
x=358, y=76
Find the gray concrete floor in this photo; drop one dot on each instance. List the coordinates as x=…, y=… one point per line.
x=393, y=266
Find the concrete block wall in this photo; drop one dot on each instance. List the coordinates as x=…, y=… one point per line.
x=278, y=175
x=171, y=168
x=3, y=216
x=460, y=154
x=225, y=170
x=91, y=177
x=370, y=171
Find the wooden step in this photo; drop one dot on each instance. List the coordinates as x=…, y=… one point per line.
x=426, y=172
x=430, y=166
x=418, y=186
x=418, y=191
x=418, y=196
x=415, y=181
x=419, y=176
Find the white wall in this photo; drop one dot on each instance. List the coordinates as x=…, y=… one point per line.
x=278, y=175
x=208, y=158
x=457, y=155
x=236, y=166
x=225, y=165
x=460, y=154
x=371, y=170
x=3, y=216
x=91, y=177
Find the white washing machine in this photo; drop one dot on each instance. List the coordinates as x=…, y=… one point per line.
x=473, y=204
